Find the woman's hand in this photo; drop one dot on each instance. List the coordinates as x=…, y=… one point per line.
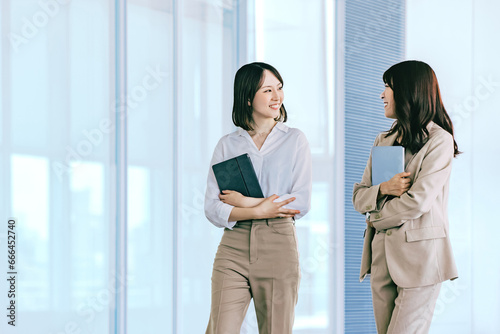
x=234, y=198
x=397, y=186
x=269, y=209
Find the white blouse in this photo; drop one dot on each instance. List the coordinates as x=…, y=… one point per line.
x=283, y=167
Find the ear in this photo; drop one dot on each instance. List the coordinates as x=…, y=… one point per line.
x=249, y=104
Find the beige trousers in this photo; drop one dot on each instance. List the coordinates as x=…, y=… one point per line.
x=398, y=310
x=257, y=259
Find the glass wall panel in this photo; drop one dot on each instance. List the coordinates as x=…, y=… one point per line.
x=55, y=162
x=150, y=165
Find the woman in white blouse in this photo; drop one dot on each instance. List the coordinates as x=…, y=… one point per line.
x=258, y=256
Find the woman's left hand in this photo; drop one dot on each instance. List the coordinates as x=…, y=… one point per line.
x=234, y=198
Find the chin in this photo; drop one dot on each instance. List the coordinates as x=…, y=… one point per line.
x=390, y=115
x=275, y=114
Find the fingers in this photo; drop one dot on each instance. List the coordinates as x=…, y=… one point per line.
x=224, y=198
x=401, y=183
x=287, y=201
x=290, y=211
x=230, y=192
x=406, y=184
x=272, y=197
x=401, y=176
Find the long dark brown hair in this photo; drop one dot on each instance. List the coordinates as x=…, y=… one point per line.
x=247, y=81
x=417, y=102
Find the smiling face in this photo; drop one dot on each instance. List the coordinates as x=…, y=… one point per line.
x=389, y=105
x=269, y=98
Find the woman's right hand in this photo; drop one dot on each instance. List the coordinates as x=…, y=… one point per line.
x=269, y=209
x=397, y=186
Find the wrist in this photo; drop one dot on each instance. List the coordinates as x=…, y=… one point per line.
x=381, y=189
x=257, y=212
x=244, y=202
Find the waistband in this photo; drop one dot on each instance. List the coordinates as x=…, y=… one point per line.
x=269, y=221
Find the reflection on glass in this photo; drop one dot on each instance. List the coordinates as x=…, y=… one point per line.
x=139, y=237
x=30, y=202
x=88, y=234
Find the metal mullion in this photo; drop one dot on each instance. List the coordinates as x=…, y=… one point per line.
x=338, y=269
x=176, y=166
x=118, y=231
x=6, y=106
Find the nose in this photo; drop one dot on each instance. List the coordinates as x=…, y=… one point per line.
x=276, y=95
x=382, y=95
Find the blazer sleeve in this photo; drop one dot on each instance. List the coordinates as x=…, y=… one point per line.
x=429, y=181
x=364, y=197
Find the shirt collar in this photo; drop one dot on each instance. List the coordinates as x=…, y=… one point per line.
x=280, y=126
x=240, y=132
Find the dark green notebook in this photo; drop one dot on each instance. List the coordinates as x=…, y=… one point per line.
x=239, y=175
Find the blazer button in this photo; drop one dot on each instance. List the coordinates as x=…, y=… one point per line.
x=389, y=232
x=368, y=207
x=378, y=215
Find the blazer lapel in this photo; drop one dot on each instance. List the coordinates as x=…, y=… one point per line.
x=409, y=161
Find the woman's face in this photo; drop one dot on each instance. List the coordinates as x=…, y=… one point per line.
x=269, y=98
x=389, y=106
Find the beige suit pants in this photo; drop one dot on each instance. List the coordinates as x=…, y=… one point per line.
x=257, y=259
x=398, y=310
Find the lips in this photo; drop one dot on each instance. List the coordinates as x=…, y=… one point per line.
x=275, y=106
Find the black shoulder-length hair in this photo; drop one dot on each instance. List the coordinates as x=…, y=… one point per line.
x=247, y=81
x=417, y=102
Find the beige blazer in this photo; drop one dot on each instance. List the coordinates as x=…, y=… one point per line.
x=417, y=243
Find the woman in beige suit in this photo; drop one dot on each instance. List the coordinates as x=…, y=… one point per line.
x=407, y=249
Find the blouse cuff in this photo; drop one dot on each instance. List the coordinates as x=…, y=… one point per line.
x=225, y=213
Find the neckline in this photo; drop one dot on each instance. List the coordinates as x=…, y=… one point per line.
x=265, y=140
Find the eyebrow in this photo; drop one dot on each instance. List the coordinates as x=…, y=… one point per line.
x=271, y=86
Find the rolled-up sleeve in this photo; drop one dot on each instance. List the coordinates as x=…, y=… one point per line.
x=301, y=179
x=216, y=211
